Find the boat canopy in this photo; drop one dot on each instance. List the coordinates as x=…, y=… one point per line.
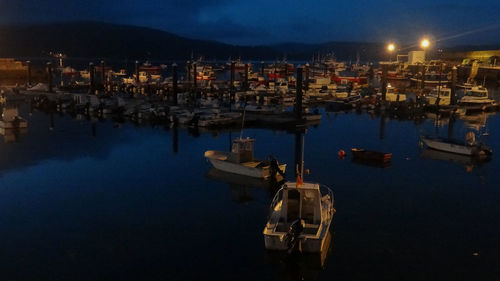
x=242, y=150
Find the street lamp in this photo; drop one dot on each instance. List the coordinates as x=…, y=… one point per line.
x=425, y=43
x=391, y=47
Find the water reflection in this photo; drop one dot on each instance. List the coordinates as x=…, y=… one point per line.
x=301, y=266
x=467, y=161
x=242, y=186
x=12, y=135
x=134, y=172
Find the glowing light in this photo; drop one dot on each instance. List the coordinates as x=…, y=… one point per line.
x=425, y=43
x=391, y=47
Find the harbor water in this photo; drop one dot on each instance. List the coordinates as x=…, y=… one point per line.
x=105, y=200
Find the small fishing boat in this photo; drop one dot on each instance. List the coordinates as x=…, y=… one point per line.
x=476, y=96
x=300, y=217
x=441, y=95
x=470, y=147
x=241, y=161
x=370, y=155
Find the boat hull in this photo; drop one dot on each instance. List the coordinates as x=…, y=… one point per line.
x=241, y=169
x=450, y=147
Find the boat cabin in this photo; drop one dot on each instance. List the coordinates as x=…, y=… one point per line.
x=299, y=203
x=443, y=93
x=242, y=150
x=477, y=92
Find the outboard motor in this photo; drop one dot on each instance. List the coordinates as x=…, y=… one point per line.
x=292, y=236
x=275, y=167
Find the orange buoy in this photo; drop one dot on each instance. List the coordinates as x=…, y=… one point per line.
x=341, y=154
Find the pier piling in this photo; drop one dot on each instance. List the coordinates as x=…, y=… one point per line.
x=231, y=87
x=188, y=71
x=298, y=99
x=49, y=76
x=91, y=78
x=137, y=81
x=195, y=74
x=174, y=83
x=245, y=85
x=306, y=84
x=384, y=82
x=103, y=75
x=28, y=66
x=453, y=98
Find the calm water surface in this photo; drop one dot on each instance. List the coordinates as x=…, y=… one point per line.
x=84, y=200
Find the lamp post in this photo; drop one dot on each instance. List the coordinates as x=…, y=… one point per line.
x=424, y=44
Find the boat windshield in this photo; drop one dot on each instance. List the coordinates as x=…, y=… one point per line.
x=476, y=94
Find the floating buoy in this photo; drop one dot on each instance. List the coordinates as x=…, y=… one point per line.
x=341, y=154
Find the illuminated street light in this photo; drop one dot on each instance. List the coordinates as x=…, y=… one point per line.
x=425, y=43
x=391, y=47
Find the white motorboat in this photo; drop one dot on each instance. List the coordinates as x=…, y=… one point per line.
x=443, y=93
x=477, y=95
x=300, y=216
x=241, y=161
x=392, y=95
x=470, y=147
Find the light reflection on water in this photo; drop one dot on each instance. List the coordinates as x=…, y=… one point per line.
x=100, y=200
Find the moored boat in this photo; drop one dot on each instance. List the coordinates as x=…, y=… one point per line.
x=300, y=217
x=241, y=161
x=477, y=95
x=470, y=147
x=370, y=155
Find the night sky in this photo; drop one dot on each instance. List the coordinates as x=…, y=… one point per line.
x=269, y=21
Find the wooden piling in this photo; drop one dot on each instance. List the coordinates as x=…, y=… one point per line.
x=137, y=80
x=231, y=87
x=195, y=74
x=245, y=85
x=49, y=77
x=28, y=66
x=91, y=78
x=384, y=82
x=188, y=71
x=174, y=83
x=298, y=99
x=453, y=98
x=422, y=86
x=306, y=84
x=103, y=75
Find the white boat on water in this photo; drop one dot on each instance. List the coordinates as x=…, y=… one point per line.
x=470, y=147
x=443, y=93
x=392, y=95
x=477, y=95
x=300, y=215
x=241, y=161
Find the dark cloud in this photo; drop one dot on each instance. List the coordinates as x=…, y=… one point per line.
x=264, y=21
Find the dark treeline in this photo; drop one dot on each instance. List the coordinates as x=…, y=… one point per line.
x=122, y=42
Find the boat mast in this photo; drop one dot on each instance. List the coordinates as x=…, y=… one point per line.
x=242, y=122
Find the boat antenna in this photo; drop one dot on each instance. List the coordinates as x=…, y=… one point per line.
x=243, y=122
